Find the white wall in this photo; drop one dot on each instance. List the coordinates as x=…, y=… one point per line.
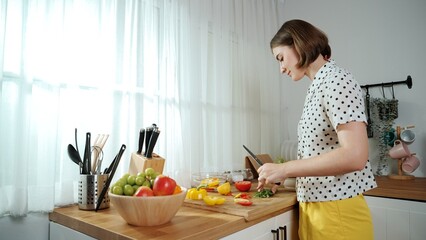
x=378, y=41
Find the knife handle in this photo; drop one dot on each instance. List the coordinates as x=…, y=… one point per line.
x=152, y=142
x=148, y=134
x=141, y=138
x=87, y=157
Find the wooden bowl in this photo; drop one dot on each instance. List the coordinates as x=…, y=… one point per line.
x=147, y=211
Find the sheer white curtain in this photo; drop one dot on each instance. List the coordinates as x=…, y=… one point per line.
x=201, y=70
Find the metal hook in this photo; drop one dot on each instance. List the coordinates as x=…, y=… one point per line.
x=393, y=93
x=383, y=91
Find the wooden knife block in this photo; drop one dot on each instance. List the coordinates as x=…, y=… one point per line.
x=138, y=163
x=253, y=165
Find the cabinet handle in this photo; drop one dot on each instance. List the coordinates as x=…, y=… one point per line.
x=283, y=232
x=275, y=234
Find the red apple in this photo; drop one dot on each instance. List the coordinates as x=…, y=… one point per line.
x=144, y=191
x=163, y=186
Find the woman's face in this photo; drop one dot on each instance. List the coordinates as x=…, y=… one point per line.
x=288, y=59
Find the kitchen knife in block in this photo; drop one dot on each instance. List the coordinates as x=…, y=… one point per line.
x=138, y=163
x=253, y=165
x=141, y=138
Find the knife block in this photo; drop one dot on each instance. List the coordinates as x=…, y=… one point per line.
x=253, y=165
x=138, y=163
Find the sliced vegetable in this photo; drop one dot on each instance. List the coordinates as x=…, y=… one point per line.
x=196, y=194
x=243, y=202
x=210, y=200
x=210, y=182
x=265, y=193
x=243, y=195
x=224, y=189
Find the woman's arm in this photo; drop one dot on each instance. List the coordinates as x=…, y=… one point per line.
x=352, y=155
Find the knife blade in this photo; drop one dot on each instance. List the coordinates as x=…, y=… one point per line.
x=152, y=142
x=256, y=159
x=141, y=138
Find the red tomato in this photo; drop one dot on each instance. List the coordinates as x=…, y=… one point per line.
x=243, y=186
x=163, y=186
x=144, y=191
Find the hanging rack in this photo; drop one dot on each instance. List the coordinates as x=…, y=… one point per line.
x=408, y=82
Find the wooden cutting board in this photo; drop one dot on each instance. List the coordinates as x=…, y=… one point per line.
x=260, y=207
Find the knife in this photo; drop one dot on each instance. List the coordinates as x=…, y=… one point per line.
x=256, y=159
x=153, y=140
x=141, y=138
x=148, y=134
x=108, y=181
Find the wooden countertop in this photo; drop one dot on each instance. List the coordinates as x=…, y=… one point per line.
x=189, y=223
x=414, y=189
x=196, y=223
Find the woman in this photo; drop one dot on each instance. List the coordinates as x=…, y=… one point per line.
x=332, y=170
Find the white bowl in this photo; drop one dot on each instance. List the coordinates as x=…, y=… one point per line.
x=147, y=211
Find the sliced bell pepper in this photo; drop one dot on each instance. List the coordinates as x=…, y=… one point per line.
x=210, y=200
x=243, y=202
x=196, y=194
x=243, y=195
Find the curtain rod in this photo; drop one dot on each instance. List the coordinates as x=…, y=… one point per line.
x=409, y=83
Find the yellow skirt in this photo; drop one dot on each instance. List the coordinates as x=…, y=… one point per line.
x=336, y=220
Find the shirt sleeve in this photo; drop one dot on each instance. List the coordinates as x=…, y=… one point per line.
x=343, y=99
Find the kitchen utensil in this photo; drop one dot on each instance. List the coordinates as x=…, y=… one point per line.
x=141, y=138
x=410, y=164
x=111, y=175
x=76, y=144
x=390, y=137
x=213, y=179
x=407, y=136
x=369, y=121
x=87, y=156
x=153, y=140
x=148, y=211
x=75, y=157
x=399, y=150
x=256, y=159
x=111, y=165
x=89, y=187
x=97, y=151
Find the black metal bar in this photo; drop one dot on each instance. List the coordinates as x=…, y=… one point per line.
x=408, y=82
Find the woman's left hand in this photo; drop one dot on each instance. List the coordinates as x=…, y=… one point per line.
x=270, y=173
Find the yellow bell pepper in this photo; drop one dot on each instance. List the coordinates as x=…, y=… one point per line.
x=224, y=189
x=196, y=194
x=210, y=200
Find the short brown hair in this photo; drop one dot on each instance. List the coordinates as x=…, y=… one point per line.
x=308, y=41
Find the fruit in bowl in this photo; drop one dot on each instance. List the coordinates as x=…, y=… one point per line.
x=151, y=205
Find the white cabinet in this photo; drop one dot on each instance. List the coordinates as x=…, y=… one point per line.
x=262, y=230
x=396, y=219
x=59, y=232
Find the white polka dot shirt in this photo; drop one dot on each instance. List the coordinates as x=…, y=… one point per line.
x=333, y=98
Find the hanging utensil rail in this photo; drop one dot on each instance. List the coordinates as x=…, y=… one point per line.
x=408, y=82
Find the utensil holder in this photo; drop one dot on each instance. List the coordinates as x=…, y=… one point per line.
x=89, y=189
x=138, y=163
